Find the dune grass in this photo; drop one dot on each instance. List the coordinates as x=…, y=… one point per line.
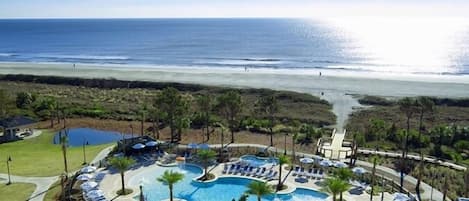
x=16, y=191
x=40, y=157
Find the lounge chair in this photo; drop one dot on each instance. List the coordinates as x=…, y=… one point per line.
x=234, y=169
x=272, y=176
x=321, y=174
x=310, y=173
x=248, y=171
x=254, y=173
x=316, y=173
x=267, y=173
x=296, y=171
x=242, y=170
x=260, y=173
x=302, y=172
x=225, y=169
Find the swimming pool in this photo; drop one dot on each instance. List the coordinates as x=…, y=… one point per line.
x=258, y=161
x=223, y=189
x=76, y=136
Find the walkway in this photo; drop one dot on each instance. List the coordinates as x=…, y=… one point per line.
x=413, y=157
x=44, y=183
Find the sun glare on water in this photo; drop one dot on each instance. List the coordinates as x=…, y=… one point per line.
x=433, y=45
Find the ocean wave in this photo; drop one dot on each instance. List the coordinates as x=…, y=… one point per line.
x=239, y=61
x=7, y=54
x=82, y=57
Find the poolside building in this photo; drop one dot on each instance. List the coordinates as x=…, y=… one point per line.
x=15, y=128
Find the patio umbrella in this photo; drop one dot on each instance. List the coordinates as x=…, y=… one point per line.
x=326, y=163
x=400, y=197
x=95, y=193
x=358, y=170
x=84, y=177
x=87, y=186
x=138, y=146
x=204, y=146
x=151, y=143
x=88, y=169
x=192, y=146
x=306, y=160
x=316, y=157
x=340, y=164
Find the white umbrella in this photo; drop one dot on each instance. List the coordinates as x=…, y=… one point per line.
x=358, y=170
x=88, y=169
x=306, y=160
x=84, y=177
x=400, y=197
x=95, y=194
x=204, y=146
x=151, y=143
x=340, y=164
x=192, y=146
x=138, y=146
x=326, y=163
x=88, y=185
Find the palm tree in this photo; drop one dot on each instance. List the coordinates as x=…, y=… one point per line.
x=122, y=164
x=206, y=156
x=259, y=189
x=230, y=106
x=143, y=112
x=373, y=175
x=205, y=104
x=336, y=186
x=282, y=159
x=170, y=178
x=343, y=173
x=406, y=105
x=426, y=105
x=64, y=145
x=268, y=106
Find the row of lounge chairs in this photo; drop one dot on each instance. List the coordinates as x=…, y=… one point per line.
x=311, y=173
x=259, y=172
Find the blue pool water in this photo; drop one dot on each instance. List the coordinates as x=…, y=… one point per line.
x=258, y=161
x=76, y=136
x=223, y=189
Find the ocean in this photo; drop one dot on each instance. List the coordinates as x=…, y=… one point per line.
x=416, y=46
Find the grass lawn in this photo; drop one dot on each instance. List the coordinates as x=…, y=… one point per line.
x=16, y=191
x=53, y=192
x=40, y=157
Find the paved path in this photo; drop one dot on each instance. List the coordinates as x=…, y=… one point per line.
x=42, y=184
x=413, y=157
x=385, y=171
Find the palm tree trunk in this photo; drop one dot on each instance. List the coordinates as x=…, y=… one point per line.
x=232, y=135
x=207, y=121
x=373, y=179
x=340, y=196
x=258, y=198
x=279, y=186
x=419, y=176
x=171, y=193
x=122, y=183
x=334, y=197
x=51, y=121
x=141, y=124
x=154, y=129
x=271, y=137
x=404, y=154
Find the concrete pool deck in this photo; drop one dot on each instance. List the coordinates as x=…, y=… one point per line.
x=112, y=182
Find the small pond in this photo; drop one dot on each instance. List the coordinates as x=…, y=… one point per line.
x=77, y=136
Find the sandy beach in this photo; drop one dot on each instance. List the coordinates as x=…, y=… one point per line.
x=338, y=86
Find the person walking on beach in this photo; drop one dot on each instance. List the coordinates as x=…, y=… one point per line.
x=320, y=73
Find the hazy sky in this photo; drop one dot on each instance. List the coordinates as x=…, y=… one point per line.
x=228, y=8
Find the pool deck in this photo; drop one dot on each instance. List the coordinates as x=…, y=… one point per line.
x=112, y=182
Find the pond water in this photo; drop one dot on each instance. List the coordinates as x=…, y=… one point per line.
x=78, y=136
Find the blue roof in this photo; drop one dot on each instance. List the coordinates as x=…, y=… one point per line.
x=16, y=121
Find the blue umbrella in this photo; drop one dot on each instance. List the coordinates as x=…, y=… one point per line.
x=151, y=143
x=358, y=170
x=138, y=146
x=192, y=146
x=306, y=160
x=340, y=164
x=326, y=163
x=204, y=146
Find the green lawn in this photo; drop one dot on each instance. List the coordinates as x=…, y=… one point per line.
x=40, y=157
x=16, y=191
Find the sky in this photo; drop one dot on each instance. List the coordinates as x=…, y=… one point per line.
x=228, y=8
